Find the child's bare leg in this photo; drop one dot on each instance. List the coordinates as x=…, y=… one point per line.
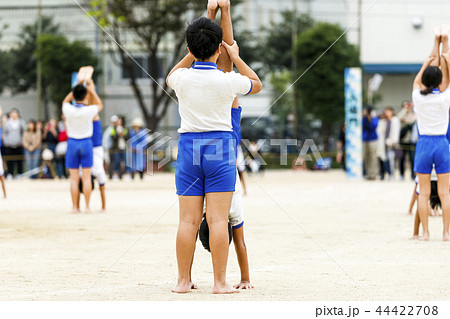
x=191, y=208
x=193, y=286
x=103, y=197
x=435, y=52
x=444, y=196
x=224, y=62
x=416, y=226
x=2, y=180
x=424, y=195
x=444, y=38
x=87, y=187
x=74, y=192
x=218, y=207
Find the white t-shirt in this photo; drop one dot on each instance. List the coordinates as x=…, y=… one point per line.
x=432, y=112
x=206, y=95
x=79, y=120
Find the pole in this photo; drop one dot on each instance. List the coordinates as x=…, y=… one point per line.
x=360, y=26
x=38, y=62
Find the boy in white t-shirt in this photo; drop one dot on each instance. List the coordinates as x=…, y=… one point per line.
x=206, y=162
x=79, y=123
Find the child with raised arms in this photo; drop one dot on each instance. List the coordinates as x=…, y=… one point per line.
x=431, y=104
x=206, y=162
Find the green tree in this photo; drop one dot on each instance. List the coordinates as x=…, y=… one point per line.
x=276, y=47
x=23, y=60
x=322, y=87
x=157, y=28
x=60, y=58
x=5, y=62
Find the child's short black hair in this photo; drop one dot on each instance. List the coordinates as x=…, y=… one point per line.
x=435, y=202
x=203, y=234
x=203, y=37
x=79, y=92
x=431, y=78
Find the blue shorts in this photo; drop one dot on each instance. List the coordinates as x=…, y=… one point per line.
x=79, y=153
x=206, y=163
x=432, y=150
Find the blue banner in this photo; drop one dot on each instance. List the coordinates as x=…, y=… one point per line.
x=353, y=122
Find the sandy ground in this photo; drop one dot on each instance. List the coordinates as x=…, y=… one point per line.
x=311, y=236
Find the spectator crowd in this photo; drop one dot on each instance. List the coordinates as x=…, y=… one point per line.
x=389, y=142
x=36, y=149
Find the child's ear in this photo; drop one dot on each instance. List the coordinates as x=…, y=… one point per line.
x=190, y=51
x=219, y=49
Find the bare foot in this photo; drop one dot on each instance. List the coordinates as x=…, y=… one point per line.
x=224, y=4
x=445, y=28
x=103, y=210
x=425, y=236
x=75, y=211
x=87, y=211
x=182, y=288
x=437, y=32
x=212, y=9
x=243, y=285
x=414, y=237
x=193, y=286
x=446, y=236
x=224, y=289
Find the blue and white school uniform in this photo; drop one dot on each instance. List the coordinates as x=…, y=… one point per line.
x=206, y=161
x=80, y=129
x=98, y=170
x=432, y=147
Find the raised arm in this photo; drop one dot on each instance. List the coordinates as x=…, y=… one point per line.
x=68, y=98
x=445, y=62
x=418, y=80
x=185, y=63
x=96, y=100
x=243, y=68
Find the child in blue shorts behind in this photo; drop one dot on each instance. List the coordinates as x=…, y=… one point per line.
x=206, y=162
x=431, y=98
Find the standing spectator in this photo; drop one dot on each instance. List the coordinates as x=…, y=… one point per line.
x=2, y=171
x=389, y=135
x=407, y=119
x=340, y=157
x=32, y=140
x=107, y=144
x=61, y=148
x=119, y=136
x=370, y=138
x=50, y=134
x=12, y=138
x=138, y=153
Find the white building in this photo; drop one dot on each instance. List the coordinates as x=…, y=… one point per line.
x=391, y=44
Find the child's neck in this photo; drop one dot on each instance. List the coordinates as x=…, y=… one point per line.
x=210, y=60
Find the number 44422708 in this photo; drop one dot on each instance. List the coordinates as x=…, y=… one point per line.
x=408, y=311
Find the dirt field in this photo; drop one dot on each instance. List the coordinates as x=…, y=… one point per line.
x=311, y=236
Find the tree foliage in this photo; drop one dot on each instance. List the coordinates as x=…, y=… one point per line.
x=322, y=86
x=276, y=47
x=60, y=58
x=24, y=58
x=153, y=24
